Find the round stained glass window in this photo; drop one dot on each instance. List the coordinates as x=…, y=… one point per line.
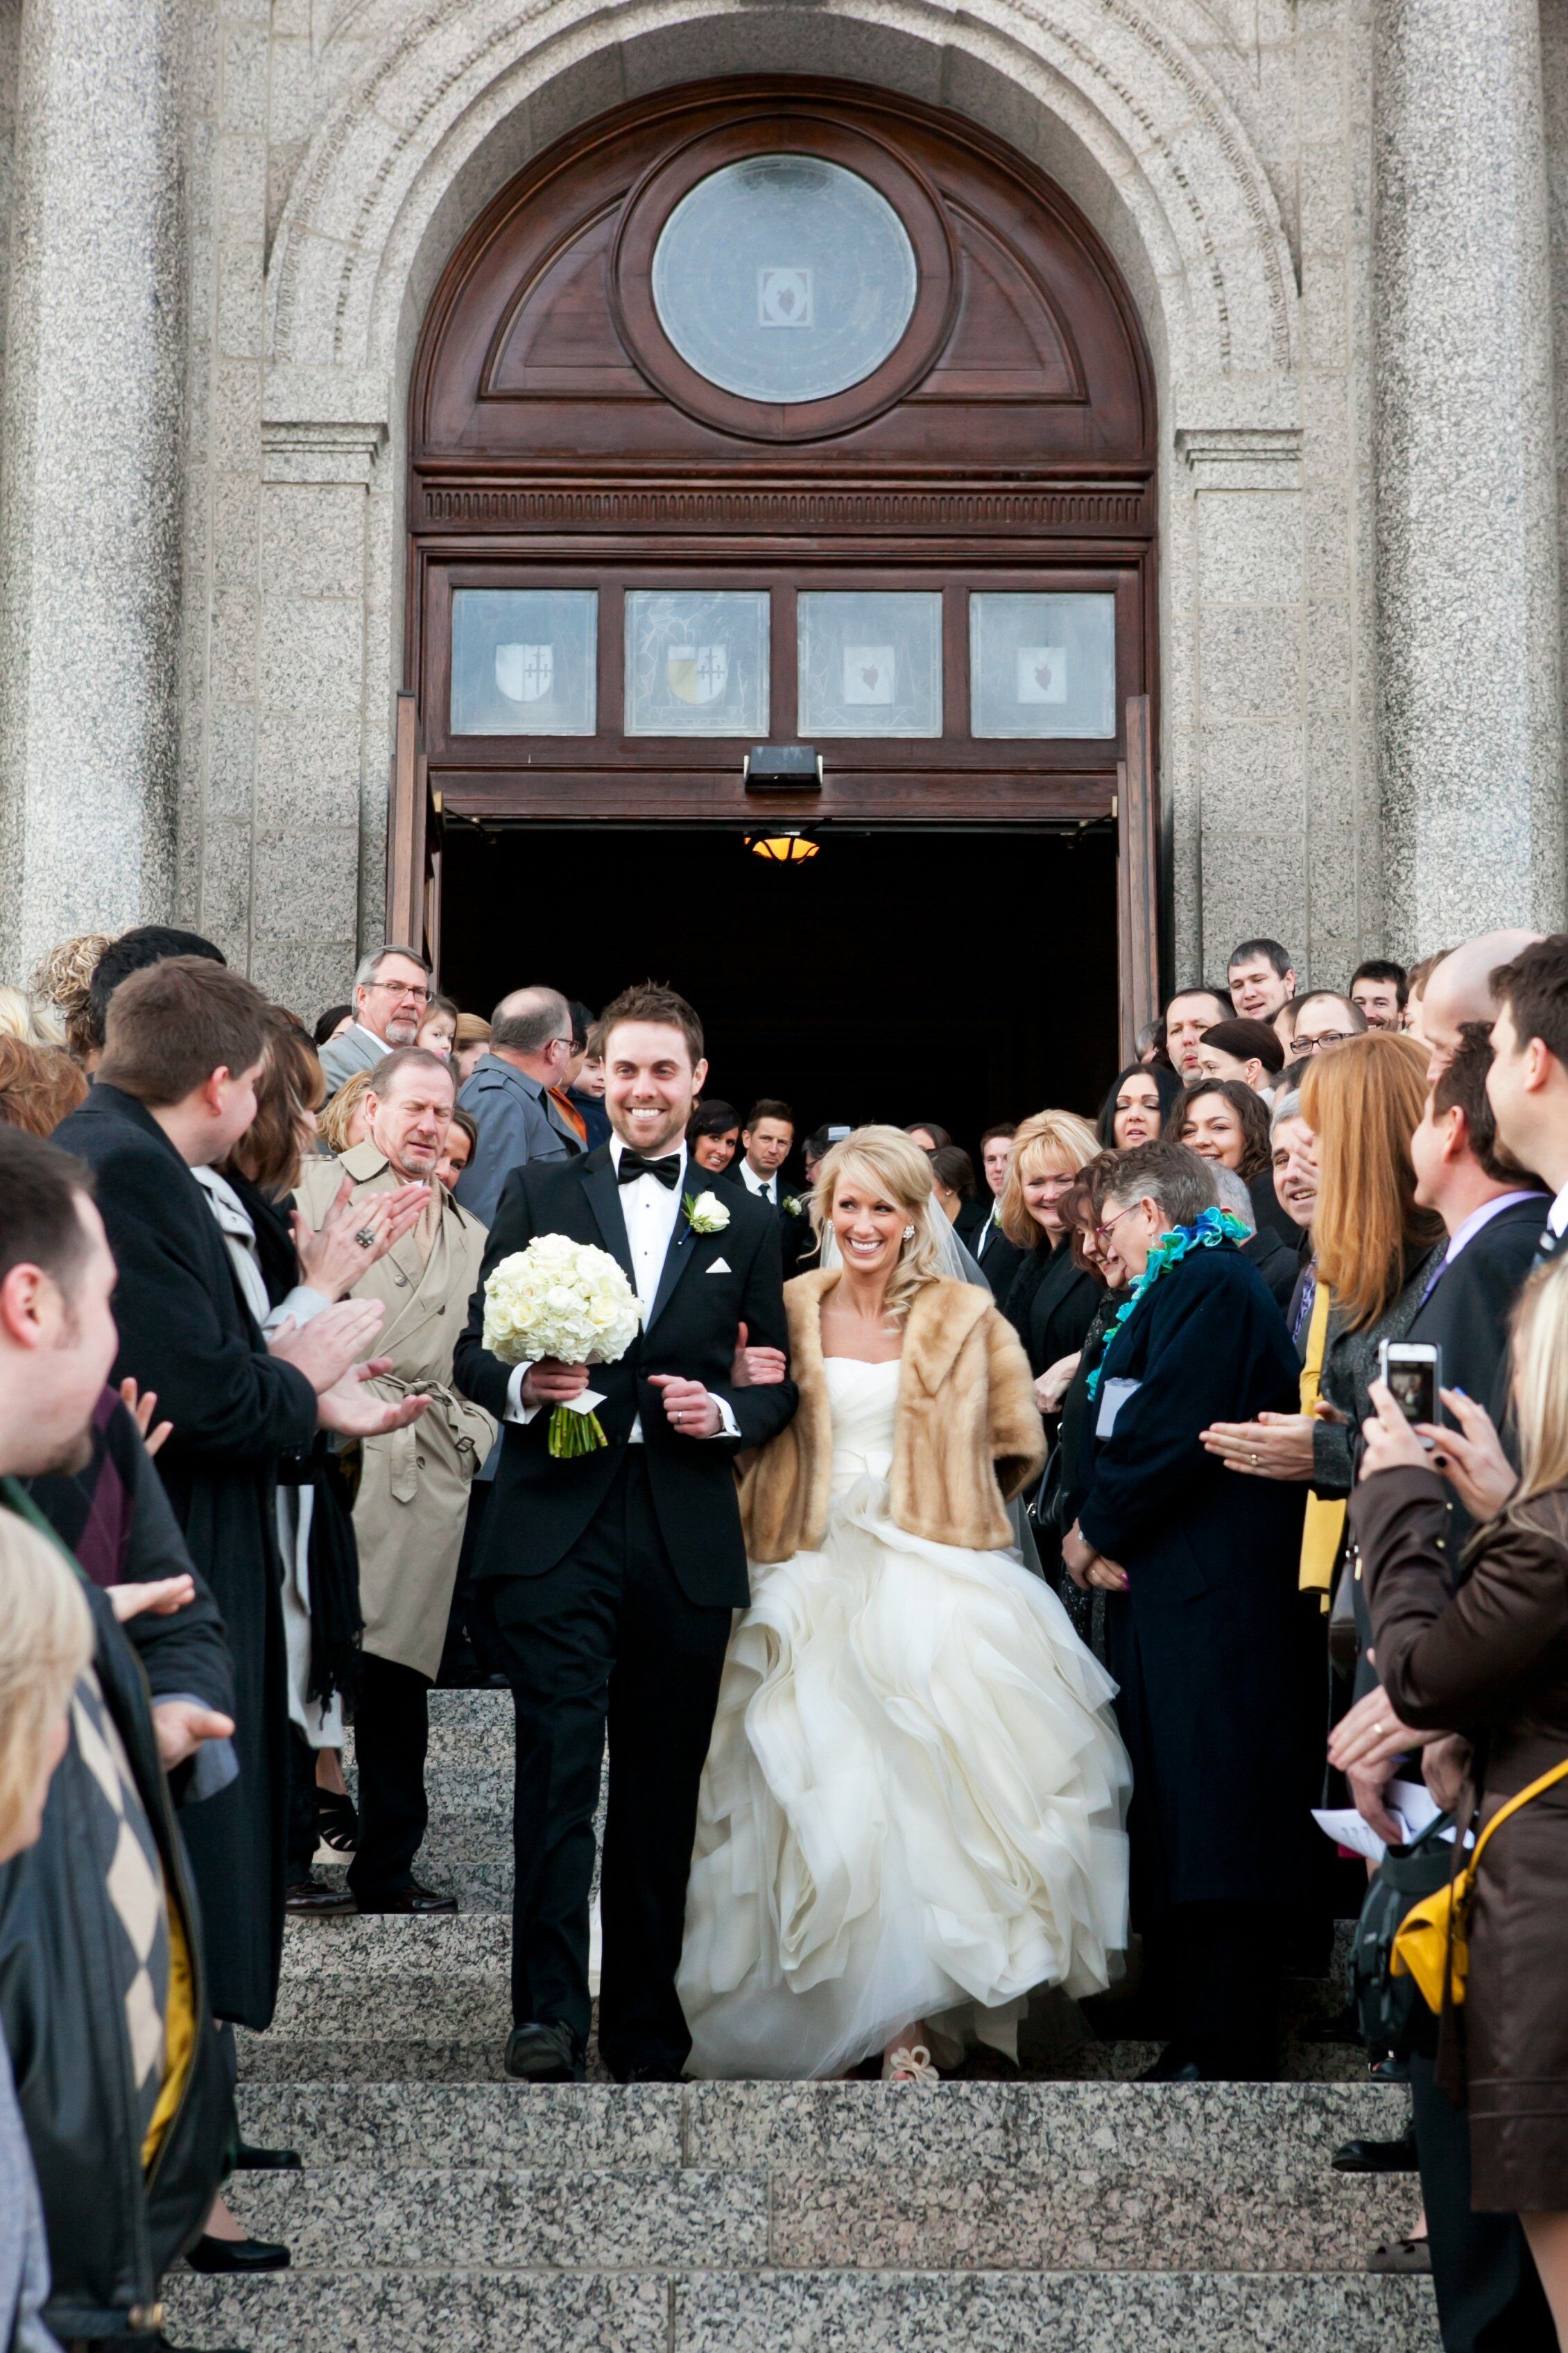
x=783, y=277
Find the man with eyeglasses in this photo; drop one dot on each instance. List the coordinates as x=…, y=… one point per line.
x=391, y=989
x=1323, y=1019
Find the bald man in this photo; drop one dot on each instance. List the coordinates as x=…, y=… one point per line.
x=1460, y=989
x=508, y=1096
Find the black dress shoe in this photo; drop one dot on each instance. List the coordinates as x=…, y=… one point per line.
x=312, y=1899
x=248, y=2158
x=414, y=1902
x=543, y=2053
x=1378, y=2156
x=210, y=2254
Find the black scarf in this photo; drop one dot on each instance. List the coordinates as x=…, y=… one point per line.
x=337, y=1622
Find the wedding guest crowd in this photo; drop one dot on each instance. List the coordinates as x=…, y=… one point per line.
x=249, y=1499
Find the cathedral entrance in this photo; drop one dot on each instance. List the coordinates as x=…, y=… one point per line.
x=897, y=974
x=781, y=465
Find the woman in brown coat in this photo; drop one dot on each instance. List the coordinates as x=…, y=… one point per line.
x=911, y=1811
x=1491, y=1662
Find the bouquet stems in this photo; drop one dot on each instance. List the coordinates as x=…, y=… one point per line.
x=572, y=1433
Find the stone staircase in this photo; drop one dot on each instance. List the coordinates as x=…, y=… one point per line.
x=1068, y=2210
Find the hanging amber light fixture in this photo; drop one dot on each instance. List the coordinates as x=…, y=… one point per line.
x=784, y=848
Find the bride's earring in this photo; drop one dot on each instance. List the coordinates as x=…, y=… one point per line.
x=908, y=1233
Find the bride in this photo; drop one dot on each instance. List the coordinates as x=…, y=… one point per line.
x=912, y=1805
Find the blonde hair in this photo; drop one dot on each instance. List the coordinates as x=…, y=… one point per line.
x=902, y=1170
x=35, y=1025
x=1046, y=1136
x=64, y=980
x=1539, y=1352
x=333, y=1124
x=1363, y=1101
x=45, y=1641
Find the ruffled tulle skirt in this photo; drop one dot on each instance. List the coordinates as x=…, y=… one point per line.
x=912, y=1808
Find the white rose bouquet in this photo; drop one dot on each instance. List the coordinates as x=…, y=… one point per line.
x=564, y=1299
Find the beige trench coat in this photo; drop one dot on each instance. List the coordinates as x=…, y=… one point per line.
x=414, y=1486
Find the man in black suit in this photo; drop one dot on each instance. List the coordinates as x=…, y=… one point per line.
x=767, y=1140
x=607, y=1580
x=998, y=1258
x=1526, y=1084
x=176, y=1091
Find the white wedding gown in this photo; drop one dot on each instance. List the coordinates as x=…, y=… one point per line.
x=913, y=1801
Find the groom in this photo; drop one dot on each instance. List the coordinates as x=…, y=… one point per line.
x=607, y=1580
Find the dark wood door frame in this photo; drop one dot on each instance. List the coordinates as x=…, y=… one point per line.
x=552, y=442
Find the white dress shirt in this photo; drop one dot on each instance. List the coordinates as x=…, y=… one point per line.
x=766, y=1189
x=1557, y=1215
x=650, y=1210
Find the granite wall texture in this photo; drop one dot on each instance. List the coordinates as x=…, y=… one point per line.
x=307, y=166
x=91, y=484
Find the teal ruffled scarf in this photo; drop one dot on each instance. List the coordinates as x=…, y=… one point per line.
x=1213, y=1226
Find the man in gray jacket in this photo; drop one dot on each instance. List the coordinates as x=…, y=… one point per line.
x=391, y=989
x=508, y=1096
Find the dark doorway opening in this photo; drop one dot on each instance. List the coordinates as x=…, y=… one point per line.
x=965, y=977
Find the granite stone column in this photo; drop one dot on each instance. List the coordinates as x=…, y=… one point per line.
x=1469, y=729
x=89, y=474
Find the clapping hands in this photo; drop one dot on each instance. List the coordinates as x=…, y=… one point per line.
x=332, y=1260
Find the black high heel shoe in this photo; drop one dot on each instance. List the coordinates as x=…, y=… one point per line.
x=337, y=1823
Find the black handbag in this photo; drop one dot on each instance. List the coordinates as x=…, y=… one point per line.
x=1393, y=2015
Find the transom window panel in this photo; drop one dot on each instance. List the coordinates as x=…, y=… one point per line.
x=785, y=277
x=1042, y=666
x=524, y=662
x=870, y=662
x=697, y=662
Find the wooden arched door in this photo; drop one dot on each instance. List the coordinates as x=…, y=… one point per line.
x=782, y=414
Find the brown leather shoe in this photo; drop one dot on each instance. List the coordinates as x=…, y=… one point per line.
x=419, y=1903
x=312, y=1899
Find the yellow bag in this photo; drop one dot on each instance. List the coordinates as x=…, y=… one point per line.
x=1432, y=1943
x=1323, y=1528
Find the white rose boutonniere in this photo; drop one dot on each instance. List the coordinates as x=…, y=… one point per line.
x=796, y=1205
x=706, y=1213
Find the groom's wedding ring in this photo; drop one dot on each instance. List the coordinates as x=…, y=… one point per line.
x=1254, y=1461
x=365, y=1238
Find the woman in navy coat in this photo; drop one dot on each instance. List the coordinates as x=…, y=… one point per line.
x=1200, y=1570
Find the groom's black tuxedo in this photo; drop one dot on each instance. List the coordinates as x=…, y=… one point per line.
x=540, y=1505
x=608, y=1581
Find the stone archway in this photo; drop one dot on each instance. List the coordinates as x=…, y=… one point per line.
x=1123, y=112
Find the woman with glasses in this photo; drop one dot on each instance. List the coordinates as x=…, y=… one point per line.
x=1199, y=1572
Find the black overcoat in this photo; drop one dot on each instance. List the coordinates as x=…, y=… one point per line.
x=1201, y=1643
x=1050, y=1303
x=712, y=1284
x=185, y=1331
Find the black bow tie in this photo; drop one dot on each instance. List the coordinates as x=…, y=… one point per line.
x=634, y=1166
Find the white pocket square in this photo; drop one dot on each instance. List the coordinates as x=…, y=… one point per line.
x=721, y=1266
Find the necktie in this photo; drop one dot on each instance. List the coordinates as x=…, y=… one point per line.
x=634, y=1166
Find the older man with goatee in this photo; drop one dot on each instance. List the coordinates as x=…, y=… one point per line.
x=391, y=990
x=414, y=1485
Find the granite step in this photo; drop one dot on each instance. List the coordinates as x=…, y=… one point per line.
x=981, y=2176
x=918, y=2310
x=1271, y=2128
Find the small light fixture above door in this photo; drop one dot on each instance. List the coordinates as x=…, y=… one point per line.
x=791, y=848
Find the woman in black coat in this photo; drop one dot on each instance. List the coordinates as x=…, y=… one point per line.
x=1200, y=1573
x=1051, y=1301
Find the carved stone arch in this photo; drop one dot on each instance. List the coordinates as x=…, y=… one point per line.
x=1114, y=104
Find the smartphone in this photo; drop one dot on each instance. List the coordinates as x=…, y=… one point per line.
x=1414, y=1371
